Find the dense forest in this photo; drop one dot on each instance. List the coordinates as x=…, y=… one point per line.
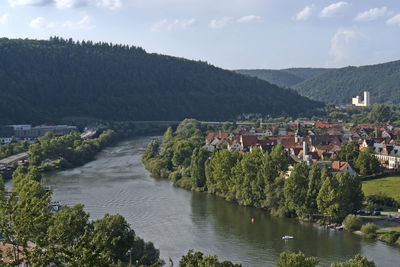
x=340, y=85
x=45, y=80
x=284, y=77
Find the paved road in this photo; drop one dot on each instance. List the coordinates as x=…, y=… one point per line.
x=12, y=159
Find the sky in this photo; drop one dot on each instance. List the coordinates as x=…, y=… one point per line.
x=232, y=34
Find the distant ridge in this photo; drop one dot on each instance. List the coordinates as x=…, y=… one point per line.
x=285, y=77
x=44, y=81
x=340, y=85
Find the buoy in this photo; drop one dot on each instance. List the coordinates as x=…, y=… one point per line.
x=252, y=220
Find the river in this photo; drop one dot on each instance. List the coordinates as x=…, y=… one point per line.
x=177, y=220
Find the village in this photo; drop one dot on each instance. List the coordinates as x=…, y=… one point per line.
x=316, y=142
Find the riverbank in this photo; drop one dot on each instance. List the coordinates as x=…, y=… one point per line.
x=177, y=220
x=256, y=178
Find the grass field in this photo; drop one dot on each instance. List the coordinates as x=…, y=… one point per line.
x=390, y=186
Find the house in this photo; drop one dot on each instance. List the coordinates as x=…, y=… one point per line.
x=342, y=167
x=234, y=144
x=215, y=140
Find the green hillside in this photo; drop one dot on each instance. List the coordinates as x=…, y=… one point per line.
x=42, y=81
x=285, y=77
x=340, y=85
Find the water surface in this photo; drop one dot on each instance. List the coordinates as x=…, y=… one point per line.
x=177, y=220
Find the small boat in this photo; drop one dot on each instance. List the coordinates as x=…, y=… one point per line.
x=287, y=237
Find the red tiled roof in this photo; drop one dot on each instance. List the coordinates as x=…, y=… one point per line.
x=248, y=140
x=339, y=165
x=327, y=125
x=220, y=135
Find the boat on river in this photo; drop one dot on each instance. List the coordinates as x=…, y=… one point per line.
x=287, y=237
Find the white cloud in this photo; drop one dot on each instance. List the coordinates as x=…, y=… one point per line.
x=333, y=9
x=175, y=24
x=62, y=4
x=220, y=23
x=305, y=13
x=40, y=23
x=249, y=18
x=4, y=19
x=159, y=25
x=14, y=3
x=371, y=14
x=394, y=20
x=110, y=4
x=84, y=24
x=340, y=45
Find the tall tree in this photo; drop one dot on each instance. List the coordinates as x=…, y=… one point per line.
x=296, y=187
x=197, y=167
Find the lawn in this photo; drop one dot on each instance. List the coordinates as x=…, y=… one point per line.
x=390, y=186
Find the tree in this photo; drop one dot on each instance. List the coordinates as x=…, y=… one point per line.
x=151, y=151
x=296, y=260
x=248, y=180
x=23, y=219
x=366, y=163
x=314, y=185
x=182, y=152
x=358, y=261
x=167, y=141
x=198, y=259
x=2, y=188
x=113, y=235
x=197, y=167
x=352, y=222
x=327, y=198
x=24, y=173
x=349, y=151
x=380, y=113
x=296, y=187
x=219, y=172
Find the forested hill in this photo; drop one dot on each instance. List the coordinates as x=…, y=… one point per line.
x=340, y=85
x=41, y=81
x=284, y=77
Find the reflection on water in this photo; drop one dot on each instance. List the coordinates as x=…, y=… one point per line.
x=177, y=220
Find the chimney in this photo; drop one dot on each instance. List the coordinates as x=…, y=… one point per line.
x=305, y=150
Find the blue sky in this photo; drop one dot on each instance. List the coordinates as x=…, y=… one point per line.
x=227, y=33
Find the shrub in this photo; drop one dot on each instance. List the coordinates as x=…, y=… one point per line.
x=369, y=230
x=184, y=182
x=174, y=176
x=390, y=237
x=358, y=261
x=352, y=222
x=296, y=260
x=382, y=200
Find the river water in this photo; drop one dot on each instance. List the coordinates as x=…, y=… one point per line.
x=177, y=220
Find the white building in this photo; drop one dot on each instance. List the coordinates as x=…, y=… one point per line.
x=365, y=103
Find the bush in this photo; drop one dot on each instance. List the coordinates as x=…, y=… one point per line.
x=352, y=222
x=358, y=261
x=382, y=200
x=369, y=230
x=174, y=176
x=184, y=182
x=296, y=260
x=390, y=237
